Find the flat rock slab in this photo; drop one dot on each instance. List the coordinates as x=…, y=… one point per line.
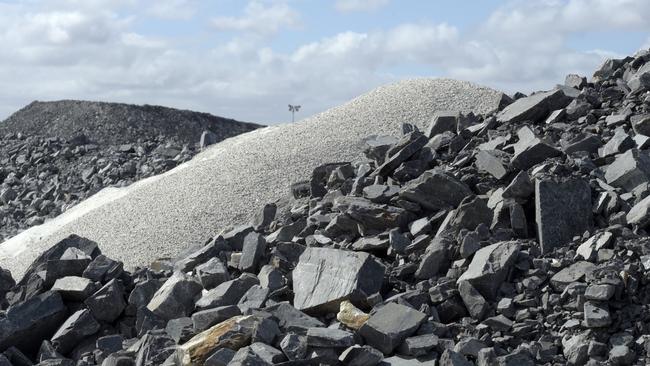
x=562, y=211
x=570, y=274
x=533, y=108
x=629, y=170
x=325, y=277
x=229, y=181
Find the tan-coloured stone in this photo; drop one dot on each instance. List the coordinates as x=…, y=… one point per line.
x=233, y=333
x=351, y=316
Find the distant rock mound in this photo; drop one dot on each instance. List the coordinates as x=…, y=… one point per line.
x=117, y=123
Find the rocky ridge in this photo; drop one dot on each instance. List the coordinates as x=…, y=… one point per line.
x=513, y=238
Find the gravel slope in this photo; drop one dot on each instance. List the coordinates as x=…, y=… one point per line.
x=227, y=183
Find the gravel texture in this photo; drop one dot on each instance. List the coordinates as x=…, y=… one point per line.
x=117, y=123
x=229, y=182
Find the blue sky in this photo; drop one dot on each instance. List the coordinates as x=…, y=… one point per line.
x=248, y=59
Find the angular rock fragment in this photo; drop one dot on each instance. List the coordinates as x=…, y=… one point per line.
x=596, y=315
x=639, y=214
x=252, y=251
x=351, y=316
x=204, y=319
x=103, y=269
x=562, y=210
x=33, y=319
x=435, y=190
x=324, y=277
x=490, y=266
x=108, y=302
x=361, y=356
x=212, y=273
x=531, y=150
x=491, y=161
x=533, y=108
x=330, y=338
x=74, y=288
x=404, y=149
x=570, y=274
x=390, y=325
x=474, y=302
x=227, y=293
x=443, y=121
x=619, y=143
x=629, y=170
x=175, y=298
x=77, y=327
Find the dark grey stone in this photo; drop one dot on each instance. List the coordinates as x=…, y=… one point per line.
x=443, y=121
x=490, y=266
x=474, y=302
x=175, y=298
x=253, y=249
x=254, y=298
x=212, y=273
x=418, y=345
x=436, y=258
x=562, y=211
x=406, y=147
x=435, y=190
x=227, y=293
x=103, y=269
x=180, y=329
x=294, y=346
x=533, y=108
x=451, y=358
x=324, y=277
x=220, y=357
x=292, y=319
x=329, y=337
x=247, y=357
x=33, y=319
x=361, y=356
x=629, y=170
x=78, y=326
x=201, y=255
x=492, y=161
x=390, y=325
x=108, y=302
x=269, y=354
x=204, y=319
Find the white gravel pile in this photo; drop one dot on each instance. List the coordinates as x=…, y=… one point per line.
x=229, y=182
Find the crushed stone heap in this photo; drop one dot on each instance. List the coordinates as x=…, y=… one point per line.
x=512, y=238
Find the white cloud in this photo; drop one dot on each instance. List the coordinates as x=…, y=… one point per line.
x=260, y=18
x=346, y=6
x=173, y=9
x=91, y=49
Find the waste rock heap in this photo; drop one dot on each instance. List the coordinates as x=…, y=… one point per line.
x=515, y=238
x=56, y=154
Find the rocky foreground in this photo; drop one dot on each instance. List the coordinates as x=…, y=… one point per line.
x=516, y=238
x=56, y=154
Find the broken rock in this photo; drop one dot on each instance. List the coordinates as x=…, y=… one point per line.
x=324, y=277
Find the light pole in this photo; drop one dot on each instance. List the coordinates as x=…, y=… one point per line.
x=293, y=109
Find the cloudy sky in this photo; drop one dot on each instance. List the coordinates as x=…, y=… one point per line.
x=249, y=59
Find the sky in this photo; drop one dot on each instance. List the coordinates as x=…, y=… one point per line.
x=248, y=59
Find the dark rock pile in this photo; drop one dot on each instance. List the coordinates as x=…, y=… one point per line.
x=517, y=238
x=70, y=150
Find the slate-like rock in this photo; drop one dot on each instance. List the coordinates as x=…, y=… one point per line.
x=491, y=161
x=570, y=274
x=639, y=214
x=533, y=108
x=212, y=273
x=34, y=319
x=390, y=326
x=175, y=298
x=329, y=338
x=435, y=190
x=74, y=288
x=443, y=121
x=629, y=170
x=108, y=302
x=78, y=326
x=324, y=277
x=361, y=356
x=227, y=293
x=490, y=266
x=596, y=315
x=562, y=210
x=252, y=251
x=530, y=150
x=103, y=269
x=204, y=319
x=474, y=302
